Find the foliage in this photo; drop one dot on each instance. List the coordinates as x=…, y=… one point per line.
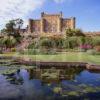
x=71, y=42
x=91, y=52
x=97, y=48
x=32, y=45
x=13, y=49
x=85, y=46
x=12, y=28
x=37, y=51
x=57, y=89
x=74, y=43
x=46, y=43
x=74, y=32
x=58, y=42
x=62, y=43
x=11, y=33
x=96, y=41
x=8, y=41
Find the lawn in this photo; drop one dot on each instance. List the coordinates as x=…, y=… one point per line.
x=67, y=57
x=62, y=57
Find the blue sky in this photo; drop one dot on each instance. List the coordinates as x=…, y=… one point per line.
x=86, y=11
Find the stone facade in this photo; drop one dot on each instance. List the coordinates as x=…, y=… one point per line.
x=50, y=24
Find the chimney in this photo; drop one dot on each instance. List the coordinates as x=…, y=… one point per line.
x=61, y=14
x=42, y=14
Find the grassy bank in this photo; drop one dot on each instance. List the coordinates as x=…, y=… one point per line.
x=64, y=57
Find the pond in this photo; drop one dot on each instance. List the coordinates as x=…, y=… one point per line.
x=20, y=82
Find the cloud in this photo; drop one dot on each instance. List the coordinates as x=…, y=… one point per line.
x=62, y=1
x=11, y=9
x=59, y=1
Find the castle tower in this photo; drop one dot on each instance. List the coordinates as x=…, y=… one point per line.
x=72, y=23
x=42, y=22
x=30, y=26
x=59, y=22
x=51, y=24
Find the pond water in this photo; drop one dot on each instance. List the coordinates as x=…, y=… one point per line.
x=20, y=82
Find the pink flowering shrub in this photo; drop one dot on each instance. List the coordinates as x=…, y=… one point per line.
x=85, y=46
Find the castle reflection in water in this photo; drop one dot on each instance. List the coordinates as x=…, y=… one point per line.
x=54, y=75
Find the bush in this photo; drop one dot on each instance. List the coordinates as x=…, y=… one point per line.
x=82, y=50
x=91, y=52
x=1, y=51
x=37, y=51
x=32, y=51
x=29, y=51
x=47, y=51
x=96, y=41
x=46, y=43
x=97, y=48
x=85, y=47
x=84, y=43
x=13, y=49
x=97, y=53
x=71, y=42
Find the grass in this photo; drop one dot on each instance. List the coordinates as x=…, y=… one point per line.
x=8, y=54
x=62, y=57
x=67, y=57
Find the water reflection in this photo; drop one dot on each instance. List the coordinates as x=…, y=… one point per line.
x=50, y=84
x=50, y=75
x=54, y=75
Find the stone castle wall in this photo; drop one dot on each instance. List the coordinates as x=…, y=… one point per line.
x=52, y=24
x=92, y=34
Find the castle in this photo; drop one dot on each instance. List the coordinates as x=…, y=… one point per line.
x=50, y=24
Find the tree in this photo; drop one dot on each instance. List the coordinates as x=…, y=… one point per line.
x=46, y=43
x=12, y=28
x=8, y=41
x=58, y=42
x=74, y=32
x=78, y=32
x=69, y=32
x=18, y=23
x=9, y=28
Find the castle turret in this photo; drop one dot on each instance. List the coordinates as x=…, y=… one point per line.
x=73, y=23
x=42, y=14
x=61, y=14
x=30, y=28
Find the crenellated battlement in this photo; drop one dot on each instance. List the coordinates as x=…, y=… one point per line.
x=51, y=23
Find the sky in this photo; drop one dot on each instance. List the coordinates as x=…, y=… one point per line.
x=87, y=12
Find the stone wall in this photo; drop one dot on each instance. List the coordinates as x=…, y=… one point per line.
x=50, y=23
x=91, y=34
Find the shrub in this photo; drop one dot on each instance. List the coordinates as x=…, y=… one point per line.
x=48, y=51
x=88, y=40
x=85, y=46
x=97, y=48
x=91, y=52
x=71, y=42
x=1, y=51
x=28, y=51
x=84, y=43
x=46, y=43
x=97, y=53
x=37, y=51
x=59, y=43
x=13, y=49
x=96, y=41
